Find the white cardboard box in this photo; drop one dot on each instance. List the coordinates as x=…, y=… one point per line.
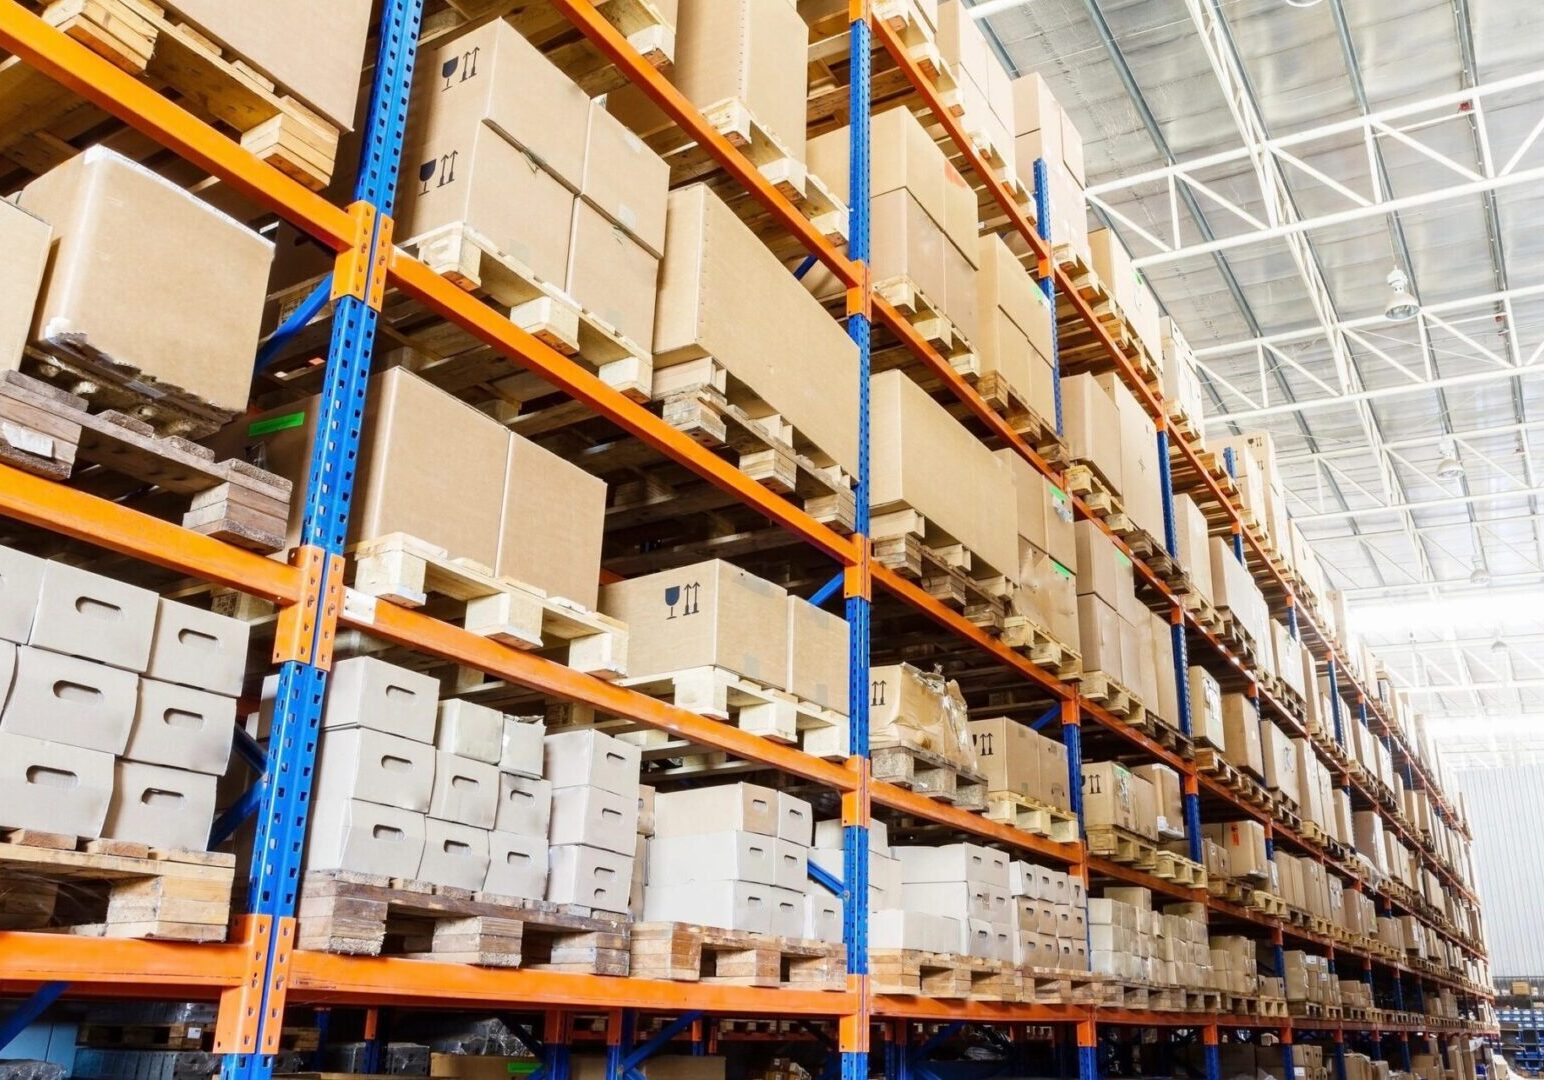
x=795, y=819
x=182, y=727
x=748, y=807
x=366, y=692
x=465, y=791
x=595, y=817
x=578, y=874
x=86, y=614
x=53, y=786
x=734, y=855
x=525, y=805
x=454, y=854
x=21, y=581
x=470, y=730
x=787, y=912
x=822, y=916
x=828, y=834
x=953, y=863
x=517, y=865
x=67, y=699
x=166, y=808
x=199, y=648
x=522, y=749
x=958, y=899
x=790, y=865
x=897, y=928
x=370, y=765
x=733, y=905
x=364, y=837
x=591, y=758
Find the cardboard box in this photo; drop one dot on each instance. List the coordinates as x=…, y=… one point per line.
x=697, y=811
x=723, y=295
x=960, y=302
x=53, y=787
x=470, y=730
x=25, y=240
x=733, y=905
x=1280, y=761
x=479, y=82
x=960, y=40
x=517, y=865
x=595, y=818
x=1008, y=753
x=1141, y=480
x=584, y=875
x=171, y=319
x=908, y=246
x=612, y=276
x=822, y=917
x=795, y=820
x=1103, y=570
x=712, y=614
x=1047, y=593
x=1166, y=704
x=364, y=837
x=1169, y=799
x=524, y=808
x=625, y=181
x=903, y=157
x=817, y=656
x=733, y=855
x=183, y=728
x=1112, y=264
x=313, y=51
x=1054, y=777
x=370, y=765
x=198, y=648
x=898, y=928
x=454, y=854
x=1195, y=551
x=567, y=507
x=909, y=707
x=1037, y=112
x=1099, y=634
x=84, y=614
x=590, y=757
x=66, y=699
x=162, y=807
x=958, y=899
x=465, y=791
x=925, y=461
x=953, y=863
x=790, y=866
x=1109, y=796
x=1206, y=723
x=523, y=746
x=1244, y=842
x=1091, y=424
x=1044, y=512
x=366, y=692
x=1241, y=734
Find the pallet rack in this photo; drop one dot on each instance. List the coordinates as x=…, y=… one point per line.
x=256, y=974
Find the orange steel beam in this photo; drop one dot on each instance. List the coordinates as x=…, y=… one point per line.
x=1131, y=875
x=496, y=331
x=910, y=593
x=910, y=802
x=168, y=123
x=686, y=115
x=1110, y=722
x=133, y=967
x=318, y=978
x=902, y=1006
x=438, y=638
x=51, y=505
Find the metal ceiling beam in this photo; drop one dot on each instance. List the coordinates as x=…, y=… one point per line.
x=1474, y=498
x=1421, y=386
x=1415, y=442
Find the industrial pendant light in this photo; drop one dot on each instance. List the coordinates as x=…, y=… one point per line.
x=1450, y=467
x=1401, y=306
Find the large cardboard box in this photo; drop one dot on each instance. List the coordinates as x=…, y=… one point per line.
x=908, y=248
x=1112, y=263
x=1109, y=796
x=589, y=757
x=53, y=787
x=367, y=692
x=159, y=806
x=66, y=699
x=1241, y=728
x=517, y=865
x=909, y=707
x=695, y=811
x=1195, y=549
x=25, y=240
x=197, y=648
x=1141, y=481
x=1047, y=593
x=1166, y=701
x=21, y=586
x=1280, y=761
x=312, y=51
x=626, y=181
x=1054, y=776
x=1091, y=424
x=1069, y=211
x=553, y=523
x=1044, y=511
x=712, y=614
x=361, y=763
x=1099, y=634
x=1244, y=841
x=728, y=855
x=926, y=461
x=902, y=157
x=1037, y=113
x=1206, y=723
x=182, y=727
x=95, y=617
x=1008, y=753
x=733, y=905
x=1169, y=801
x=1144, y=802
x=817, y=655
x=1103, y=570
x=723, y=295
x=171, y=318
x=611, y=276
x=367, y=838
x=953, y=862
x=597, y=818
x=1004, y=285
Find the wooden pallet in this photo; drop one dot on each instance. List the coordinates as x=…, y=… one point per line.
x=1204, y=612
x=411, y=573
x=112, y=888
x=927, y=773
x=1055, y=986
x=1118, y=701
x=368, y=915
x=43, y=123
x=915, y=973
x=1026, y=635
x=1154, y=727
x=50, y=433
x=182, y=1035
x=1118, y=993
x=1079, y=347
x=1180, y=870
x=1032, y=816
x=1085, y=480
x=910, y=544
x=931, y=320
x=1010, y=403
x=1266, y=904
x=1210, y=761
x=1269, y=1007
x=645, y=26
x=687, y=952
x=1122, y=846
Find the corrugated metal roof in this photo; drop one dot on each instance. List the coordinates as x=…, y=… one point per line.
x=1505, y=808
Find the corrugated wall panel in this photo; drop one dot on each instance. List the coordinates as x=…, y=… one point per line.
x=1506, y=812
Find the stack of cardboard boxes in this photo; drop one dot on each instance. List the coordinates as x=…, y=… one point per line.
x=1244, y=843
x=736, y=856
x=1112, y=265
x=119, y=706
x=1235, y=593
x=596, y=800
x=1259, y=484
x=1050, y=917
x=1046, y=592
x=1182, y=391
x=983, y=90
x=1108, y=429
x=1130, y=940
x=1044, y=132
x=1017, y=759
x=1309, y=978
x=1235, y=968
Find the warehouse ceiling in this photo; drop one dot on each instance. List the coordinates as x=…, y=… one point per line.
x=1269, y=163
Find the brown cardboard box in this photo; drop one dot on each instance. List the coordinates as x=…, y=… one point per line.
x=961, y=213
x=1009, y=755
x=723, y=295
x=817, y=655
x=1036, y=111
x=612, y=276
x=1099, y=632
x=1206, y=722
x=1135, y=657
x=908, y=245
x=553, y=520
x=712, y=614
x=1141, y=495
x=1241, y=728
x=1144, y=808
x=1166, y=703
x=1044, y=511
x=961, y=41
x=1195, y=550
x=1047, y=593
x=1112, y=264
x=171, y=317
x=1003, y=285
x=902, y=157
x=1091, y=425
x=313, y=51
x=1109, y=796
x=52, y=786
x=960, y=303
x=1280, y=761
x=923, y=460
x=908, y=707
x=25, y=241
x=1244, y=841
x=490, y=76
x=1169, y=799
x=1069, y=211
x=625, y=180
x=1103, y=569
x=1053, y=773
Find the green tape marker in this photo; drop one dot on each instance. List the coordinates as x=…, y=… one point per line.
x=1060, y=569
x=1122, y=558
x=276, y=423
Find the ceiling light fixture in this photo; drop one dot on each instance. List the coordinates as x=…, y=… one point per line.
x=1401, y=306
x=988, y=8
x=1479, y=575
x=1450, y=467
